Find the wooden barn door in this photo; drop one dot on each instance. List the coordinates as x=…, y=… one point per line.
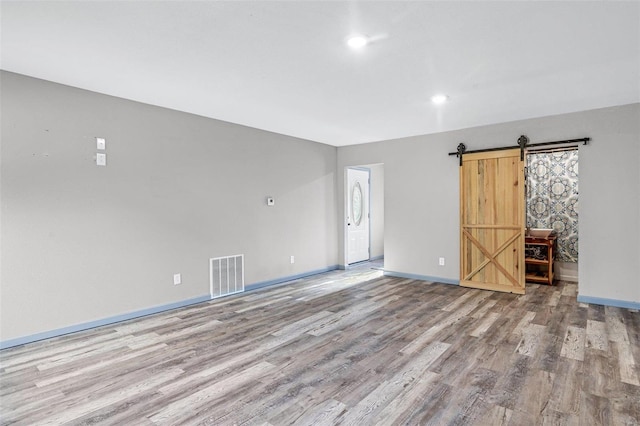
x=492, y=221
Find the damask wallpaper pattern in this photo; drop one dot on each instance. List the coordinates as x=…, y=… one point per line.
x=552, y=198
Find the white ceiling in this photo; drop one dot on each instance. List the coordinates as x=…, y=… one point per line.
x=283, y=66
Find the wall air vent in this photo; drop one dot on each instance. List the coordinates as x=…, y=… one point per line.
x=226, y=275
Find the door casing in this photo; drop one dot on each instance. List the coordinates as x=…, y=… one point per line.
x=358, y=235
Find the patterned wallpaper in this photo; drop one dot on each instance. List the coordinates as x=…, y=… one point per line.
x=552, y=198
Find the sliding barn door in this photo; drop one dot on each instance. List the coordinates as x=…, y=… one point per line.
x=492, y=221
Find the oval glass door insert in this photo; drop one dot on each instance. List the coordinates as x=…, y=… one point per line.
x=356, y=203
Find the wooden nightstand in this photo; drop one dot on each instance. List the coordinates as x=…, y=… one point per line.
x=539, y=255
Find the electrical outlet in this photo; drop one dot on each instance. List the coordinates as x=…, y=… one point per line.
x=177, y=279
x=293, y=259
x=441, y=261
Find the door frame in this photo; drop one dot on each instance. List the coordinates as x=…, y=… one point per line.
x=346, y=210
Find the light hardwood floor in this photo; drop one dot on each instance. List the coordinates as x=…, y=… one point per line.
x=349, y=347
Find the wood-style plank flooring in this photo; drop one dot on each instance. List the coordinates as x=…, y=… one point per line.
x=348, y=347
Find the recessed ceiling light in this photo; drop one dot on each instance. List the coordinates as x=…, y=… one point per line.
x=357, y=41
x=439, y=99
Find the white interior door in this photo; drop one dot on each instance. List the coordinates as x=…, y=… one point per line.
x=357, y=215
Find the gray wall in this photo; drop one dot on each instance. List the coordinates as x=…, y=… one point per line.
x=82, y=243
x=422, y=204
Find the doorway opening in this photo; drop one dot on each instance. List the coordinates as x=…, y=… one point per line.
x=552, y=203
x=364, y=214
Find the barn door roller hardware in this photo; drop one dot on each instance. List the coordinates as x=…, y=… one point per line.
x=461, y=150
x=523, y=143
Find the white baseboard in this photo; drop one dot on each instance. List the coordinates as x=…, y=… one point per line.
x=566, y=271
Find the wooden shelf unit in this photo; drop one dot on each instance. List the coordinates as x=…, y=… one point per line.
x=537, y=270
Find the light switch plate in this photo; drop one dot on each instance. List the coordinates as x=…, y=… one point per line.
x=271, y=201
x=177, y=279
x=101, y=144
x=101, y=159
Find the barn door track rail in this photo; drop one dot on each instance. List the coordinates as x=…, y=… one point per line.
x=523, y=143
